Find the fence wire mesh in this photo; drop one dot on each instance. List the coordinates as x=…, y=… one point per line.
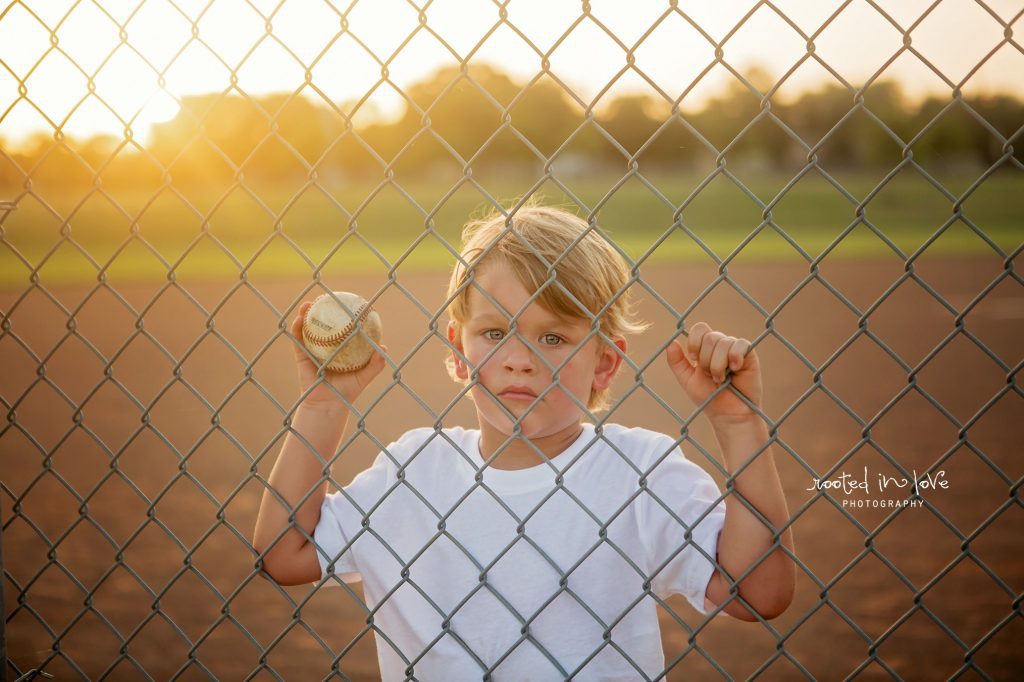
x=142, y=418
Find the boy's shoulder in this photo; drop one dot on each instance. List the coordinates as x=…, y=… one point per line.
x=424, y=433
x=430, y=438
x=638, y=439
x=637, y=442
x=635, y=434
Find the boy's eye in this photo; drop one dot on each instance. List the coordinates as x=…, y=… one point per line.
x=548, y=339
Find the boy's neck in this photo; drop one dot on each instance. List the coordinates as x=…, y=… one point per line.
x=521, y=452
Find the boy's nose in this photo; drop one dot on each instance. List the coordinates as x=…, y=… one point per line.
x=518, y=354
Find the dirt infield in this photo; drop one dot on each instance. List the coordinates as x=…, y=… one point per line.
x=145, y=494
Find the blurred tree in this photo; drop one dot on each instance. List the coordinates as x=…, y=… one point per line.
x=545, y=115
x=885, y=101
x=946, y=139
x=455, y=114
x=631, y=123
x=482, y=115
x=1006, y=115
x=191, y=146
x=724, y=117
x=817, y=114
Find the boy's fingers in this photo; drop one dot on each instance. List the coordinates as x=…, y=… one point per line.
x=377, y=361
x=685, y=353
x=296, y=331
x=720, y=358
x=378, y=356
x=374, y=367
x=696, y=337
x=300, y=316
x=738, y=354
x=680, y=351
x=678, y=359
x=707, y=348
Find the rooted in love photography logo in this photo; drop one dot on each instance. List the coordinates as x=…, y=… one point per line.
x=850, y=483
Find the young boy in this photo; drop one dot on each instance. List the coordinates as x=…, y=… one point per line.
x=537, y=546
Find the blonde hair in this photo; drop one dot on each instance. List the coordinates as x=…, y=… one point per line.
x=588, y=268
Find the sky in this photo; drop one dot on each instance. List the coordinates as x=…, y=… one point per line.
x=143, y=56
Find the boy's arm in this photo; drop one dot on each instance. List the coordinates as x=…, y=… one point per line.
x=292, y=559
x=320, y=420
x=700, y=367
x=745, y=538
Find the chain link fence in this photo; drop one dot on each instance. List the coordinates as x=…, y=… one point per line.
x=146, y=404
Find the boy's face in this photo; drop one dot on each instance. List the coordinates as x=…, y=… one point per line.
x=528, y=358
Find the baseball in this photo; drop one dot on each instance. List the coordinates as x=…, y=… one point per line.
x=331, y=334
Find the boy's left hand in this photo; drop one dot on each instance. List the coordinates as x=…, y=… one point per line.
x=701, y=364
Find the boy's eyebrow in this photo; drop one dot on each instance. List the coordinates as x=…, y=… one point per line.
x=551, y=321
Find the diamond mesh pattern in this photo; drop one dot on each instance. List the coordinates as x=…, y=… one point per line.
x=152, y=559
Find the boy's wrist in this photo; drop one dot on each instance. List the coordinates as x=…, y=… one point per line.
x=334, y=409
x=740, y=437
x=727, y=425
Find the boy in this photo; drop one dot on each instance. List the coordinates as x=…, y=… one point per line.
x=535, y=547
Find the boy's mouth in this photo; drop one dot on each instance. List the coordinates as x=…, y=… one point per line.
x=518, y=393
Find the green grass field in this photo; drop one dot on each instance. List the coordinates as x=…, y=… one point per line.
x=219, y=232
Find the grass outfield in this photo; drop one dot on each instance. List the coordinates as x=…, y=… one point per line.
x=284, y=231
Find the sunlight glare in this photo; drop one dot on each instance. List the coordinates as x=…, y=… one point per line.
x=162, y=62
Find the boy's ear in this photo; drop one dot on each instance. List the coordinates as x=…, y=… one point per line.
x=455, y=338
x=608, y=363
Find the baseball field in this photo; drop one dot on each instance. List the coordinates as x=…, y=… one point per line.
x=296, y=229
x=140, y=406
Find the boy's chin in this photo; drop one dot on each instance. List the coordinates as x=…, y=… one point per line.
x=530, y=426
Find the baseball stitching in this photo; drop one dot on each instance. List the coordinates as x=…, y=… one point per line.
x=349, y=368
x=325, y=342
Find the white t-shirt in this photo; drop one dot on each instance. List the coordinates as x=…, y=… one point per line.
x=531, y=600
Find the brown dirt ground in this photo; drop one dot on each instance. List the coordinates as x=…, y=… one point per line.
x=145, y=495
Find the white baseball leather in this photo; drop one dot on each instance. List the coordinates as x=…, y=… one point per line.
x=328, y=325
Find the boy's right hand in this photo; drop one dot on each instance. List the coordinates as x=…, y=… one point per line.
x=325, y=393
